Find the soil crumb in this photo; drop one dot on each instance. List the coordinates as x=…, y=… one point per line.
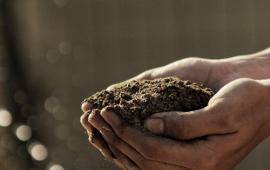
x=135, y=100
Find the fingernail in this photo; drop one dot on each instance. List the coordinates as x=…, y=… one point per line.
x=155, y=125
x=85, y=107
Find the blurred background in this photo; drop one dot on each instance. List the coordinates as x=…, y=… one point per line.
x=54, y=53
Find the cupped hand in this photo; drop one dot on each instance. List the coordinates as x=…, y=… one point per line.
x=214, y=138
x=234, y=122
x=213, y=73
x=195, y=69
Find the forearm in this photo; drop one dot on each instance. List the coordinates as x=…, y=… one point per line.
x=266, y=100
x=255, y=66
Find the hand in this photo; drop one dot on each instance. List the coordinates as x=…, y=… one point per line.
x=233, y=123
x=212, y=73
x=196, y=69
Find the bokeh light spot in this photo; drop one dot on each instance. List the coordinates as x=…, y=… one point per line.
x=23, y=132
x=51, y=104
x=5, y=118
x=55, y=167
x=38, y=151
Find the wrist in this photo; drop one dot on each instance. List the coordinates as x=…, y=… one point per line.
x=266, y=99
x=254, y=66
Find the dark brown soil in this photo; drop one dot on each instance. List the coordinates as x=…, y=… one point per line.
x=134, y=101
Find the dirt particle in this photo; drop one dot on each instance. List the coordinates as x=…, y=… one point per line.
x=136, y=100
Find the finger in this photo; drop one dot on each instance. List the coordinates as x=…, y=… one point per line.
x=119, y=164
x=85, y=123
x=117, y=85
x=85, y=107
x=212, y=120
x=147, y=75
x=169, y=151
x=236, y=154
x=91, y=131
x=123, y=160
x=95, y=137
x=120, y=145
x=133, y=155
x=98, y=142
x=159, y=72
x=97, y=121
x=106, y=131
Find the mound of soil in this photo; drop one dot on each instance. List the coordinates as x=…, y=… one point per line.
x=134, y=101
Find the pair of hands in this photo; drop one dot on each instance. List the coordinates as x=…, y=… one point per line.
x=216, y=137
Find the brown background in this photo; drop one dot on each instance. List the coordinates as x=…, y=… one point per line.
x=72, y=48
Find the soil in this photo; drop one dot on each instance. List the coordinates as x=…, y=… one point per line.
x=134, y=101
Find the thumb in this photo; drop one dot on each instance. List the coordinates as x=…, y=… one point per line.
x=189, y=125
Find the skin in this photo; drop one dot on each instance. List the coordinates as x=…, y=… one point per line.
x=216, y=137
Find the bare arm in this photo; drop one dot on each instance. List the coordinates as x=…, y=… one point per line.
x=235, y=121
x=254, y=66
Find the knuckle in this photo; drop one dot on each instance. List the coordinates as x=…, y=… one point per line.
x=194, y=60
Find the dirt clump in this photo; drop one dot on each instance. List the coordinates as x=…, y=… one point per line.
x=134, y=101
